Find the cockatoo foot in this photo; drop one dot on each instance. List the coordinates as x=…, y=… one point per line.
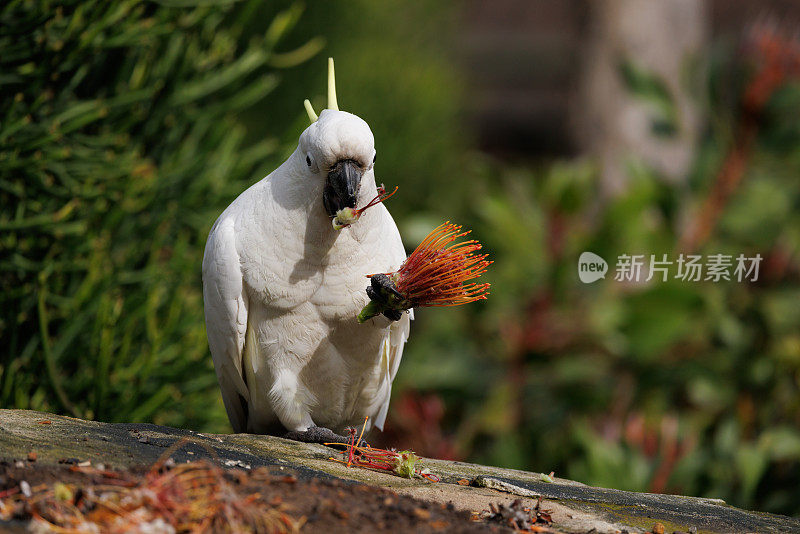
x=321, y=435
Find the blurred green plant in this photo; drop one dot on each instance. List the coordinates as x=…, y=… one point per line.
x=673, y=386
x=121, y=141
x=393, y=69
x=126, y=128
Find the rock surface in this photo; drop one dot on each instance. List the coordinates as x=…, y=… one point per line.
x=574, y=507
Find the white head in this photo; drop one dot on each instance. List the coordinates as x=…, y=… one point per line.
x=339, y=149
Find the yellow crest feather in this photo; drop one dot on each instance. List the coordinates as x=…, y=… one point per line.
x=310, y=110
x=332, y=104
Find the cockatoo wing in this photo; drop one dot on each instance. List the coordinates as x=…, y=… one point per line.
x=395, y=340
x=392, y=353
x=226, y=317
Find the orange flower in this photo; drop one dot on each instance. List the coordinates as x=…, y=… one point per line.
x=434, y=274
x=403, y=463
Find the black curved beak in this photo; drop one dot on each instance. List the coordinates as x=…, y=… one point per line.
x=341, y=186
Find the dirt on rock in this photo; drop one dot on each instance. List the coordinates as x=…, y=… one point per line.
x=307, y=505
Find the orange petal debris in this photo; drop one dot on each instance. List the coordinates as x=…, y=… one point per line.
x=402, y=463
x=191, y=497
x=519, y=517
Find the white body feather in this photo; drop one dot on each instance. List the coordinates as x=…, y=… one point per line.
x=282, y=290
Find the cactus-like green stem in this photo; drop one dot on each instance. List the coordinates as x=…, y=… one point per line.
x=372, y=309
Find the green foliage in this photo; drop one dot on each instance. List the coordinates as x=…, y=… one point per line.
x=121, y=143
x=392, y=71
x=126, y=128
x=669, y=386
x=687, y=387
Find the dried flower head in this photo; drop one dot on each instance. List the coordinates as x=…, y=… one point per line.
x=193, y=497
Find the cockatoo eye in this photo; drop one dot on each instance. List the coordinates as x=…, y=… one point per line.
x=308, y=160
x=374, y=158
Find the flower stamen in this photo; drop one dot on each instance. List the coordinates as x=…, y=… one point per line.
x=347, y=216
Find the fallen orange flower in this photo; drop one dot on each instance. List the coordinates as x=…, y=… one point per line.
x=402, y=463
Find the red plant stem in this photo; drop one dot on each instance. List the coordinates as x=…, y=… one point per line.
x=779, y=60
x=728, y=179
x=380, y=197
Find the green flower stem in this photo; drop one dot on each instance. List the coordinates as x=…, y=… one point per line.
x=372, y=309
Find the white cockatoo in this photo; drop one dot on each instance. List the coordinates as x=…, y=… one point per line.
x=282, y=288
